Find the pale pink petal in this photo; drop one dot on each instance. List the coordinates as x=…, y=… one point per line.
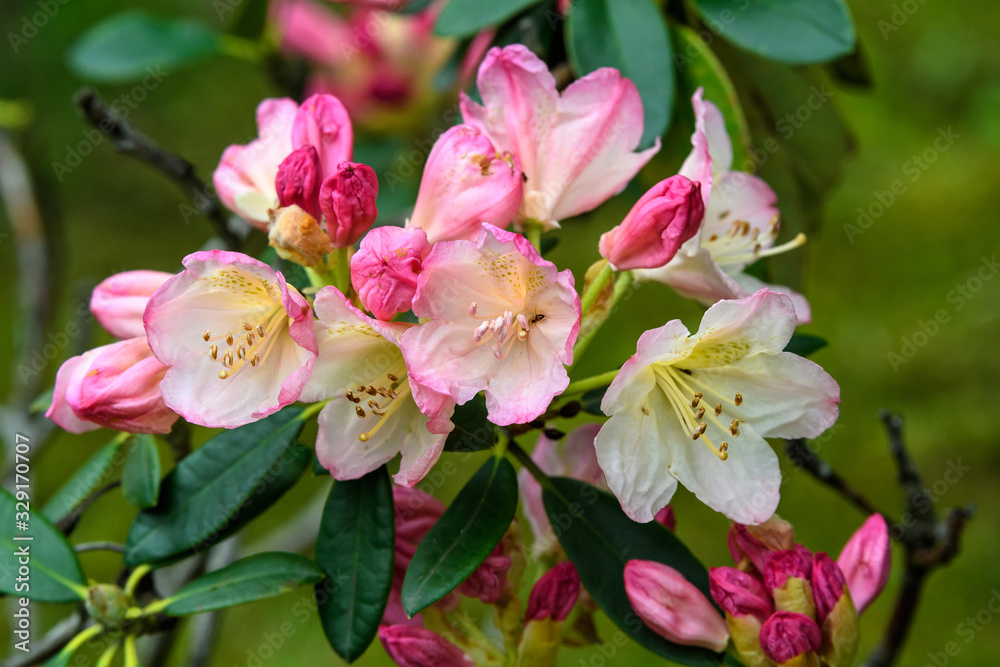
x=866, y=560
x=698, y=164
x=312, y=31
x=735, y=329
x=119, y=301
x=720, y=147
x=323, y=122
x=696, y=276
x=742, y=197
x=750, y=285
x=636, y=380
x=60, y=412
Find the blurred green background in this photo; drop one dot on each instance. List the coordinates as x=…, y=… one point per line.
x=939, y=71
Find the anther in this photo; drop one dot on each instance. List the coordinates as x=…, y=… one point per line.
x=723, y=447
x=241, y=352
x=696, y=435
x=382, y=391
x=360, y=388
x=360, y=411
x=701, y=413
x=718, y=409
x=349, y=395
x=214, y=349
x=472, y=309
x=371, y=390
x=392, y=378
x=228, y=359
x=247, y=327
x=738, y=399
x=254, y=360
x=372, y=404
x=260, y=330
x=249, y=340
x=701, y=427
x=229, y=339
x=391, y=393
x=207, y=334
x=696, y=399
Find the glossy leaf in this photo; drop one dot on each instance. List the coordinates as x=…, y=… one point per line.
x=219, y=488
x=141, y=473
x=356, y=549
x=92, y=475
x=463, y=537
x=54, y=573
x=463, y=18
x=473, y=432
x=631, y=36
x=134, y=44
x=252, y=578
x=805, y=344
x=791, y=31
x=599, y=539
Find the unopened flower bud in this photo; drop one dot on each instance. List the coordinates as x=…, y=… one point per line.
x=347, y=199
x=865, y=561
x=837, y=617
x=298, y=180
x=466, y=182
x=298, y=237
x=666, y=517
x=418, y=647
x=786, y=575
x=739, y=593
x=652, y=232
x=554, y=594
x=786, y=636
x=756, y=542
x=672, y=606
x=323, y=122
x=487, y=581
x=119, y=301
x=384, y=271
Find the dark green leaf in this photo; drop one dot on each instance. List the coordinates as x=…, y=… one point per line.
x=547, y=245
x=631, y=36
x=42, y=402
x=463, y=537
x=473, y=432
x=805, y=345
x=534, y=29
x=415, y=6
x=590, y=402
x=135, y=44
x=317, y=468
x=93, y=474
x=219, y=488
x=599, y=539
x=356, y=549
x=294, y=274
x=253, y=578
x=54, y=573
x=250, y=20
x=141, y=473
x=792, y=31
x=462, y=18
x=853, y=69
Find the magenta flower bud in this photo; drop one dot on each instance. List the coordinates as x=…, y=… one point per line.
x=865, y=561
x=119, y=301
x=652, y=232
x=672, y=606
x=298, y=180
x=418, y=647
x=666, y=517
x=347, y=199
x=466, y=182
x=322, y=122
x=828, y=584
x=488, y=580
x=739, y=593
x=384, y=271
x=786, y=635
x=756, y=542
x=116, y=386
x=780, y=565
x=554, y=595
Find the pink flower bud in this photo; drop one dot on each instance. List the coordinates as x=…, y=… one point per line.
x=739, y=594
x=119, y=301
x=554, y=595
x=786, y=635
x=663, y=218
x=347, y=200
x=488, y=580
x=418, y=647
x=828, y=584
x=116, y=386
x=666, y=517
x=466, y=182
x=866, y=560
x=672, y=606
x=322, y=122
x=781, y=565
x=298, y=180
x=756, y=542
x=384, y=271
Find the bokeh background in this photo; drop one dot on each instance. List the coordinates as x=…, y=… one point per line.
x=937, y=71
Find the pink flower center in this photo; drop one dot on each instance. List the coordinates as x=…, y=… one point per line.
x=247, y=344
x=503, y=331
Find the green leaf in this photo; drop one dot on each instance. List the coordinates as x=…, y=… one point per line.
x=295, y=274
x=463, y=537
x=590, y=402
x=251, y=19
x=141, y=473
x=253, y=578
x=473, y=432
x=131, y=45
x=93, y=474
x=631, y=36
x=356, y=549
x=599, y=539
x=42, y=402
x=54, y=573
x=219, y=488
x=697, y=67
x=805, y=345
x=791, y=31
x=462, y=18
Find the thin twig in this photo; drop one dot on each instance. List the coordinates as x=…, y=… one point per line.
x=68, y=522
x=84, y=547
x=800, y=455
x=133, y=143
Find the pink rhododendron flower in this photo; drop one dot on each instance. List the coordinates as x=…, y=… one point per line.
x=412, y=646
x=238, y=339
x=466, y=182
x=577, y=460
x=115, y=386
x=866, y=560
x=246, y=175
x=576, y=149
x=741, y=223
x=119, y=301
x=681, y=399
x=501, y=319
x=384, y=271
x=372, y=415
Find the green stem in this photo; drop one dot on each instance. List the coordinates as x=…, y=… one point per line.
x=583, y=342
x=108, y=656
x=594, y=382
x=131, y=655
x=80, y=639
x=342, y=270
x=526, y=461
x=134, y=578
x=595, y=288
x=533, y=230
x=312, y=410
